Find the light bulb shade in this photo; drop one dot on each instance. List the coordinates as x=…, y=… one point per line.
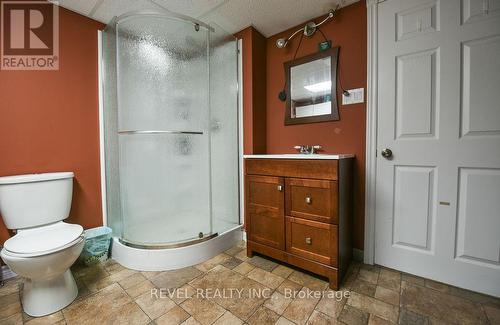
x=309, y=29
x=281, y=43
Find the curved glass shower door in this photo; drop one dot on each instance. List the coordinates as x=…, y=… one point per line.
x=170, y=129
x=163, y=112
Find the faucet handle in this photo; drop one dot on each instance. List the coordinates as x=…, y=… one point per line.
x=308, y=149
x=300, y=149
x=316, y=148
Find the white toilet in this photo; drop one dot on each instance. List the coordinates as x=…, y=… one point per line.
x=44, y=247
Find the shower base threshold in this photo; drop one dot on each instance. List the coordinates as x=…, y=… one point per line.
x=174, y=257
x=169, y=245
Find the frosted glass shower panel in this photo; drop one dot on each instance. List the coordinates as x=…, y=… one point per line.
x=164, y=187
x=224, y=129
x=171, y=130
x=163, y=74
x=110, y=121
x=163, y=111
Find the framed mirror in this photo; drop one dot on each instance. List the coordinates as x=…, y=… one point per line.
x=312, y=88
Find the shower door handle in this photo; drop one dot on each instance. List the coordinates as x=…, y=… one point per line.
x=158, y=132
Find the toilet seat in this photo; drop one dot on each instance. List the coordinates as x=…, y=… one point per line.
x=44, y=240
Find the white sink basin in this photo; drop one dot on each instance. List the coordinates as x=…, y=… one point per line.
x=300, y=156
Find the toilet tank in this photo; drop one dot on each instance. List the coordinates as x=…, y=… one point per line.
x=35, y=199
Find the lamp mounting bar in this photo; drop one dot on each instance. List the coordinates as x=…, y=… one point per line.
x=309, y=29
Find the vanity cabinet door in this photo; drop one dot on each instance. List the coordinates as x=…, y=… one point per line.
x=265, y=210
x=312, y=199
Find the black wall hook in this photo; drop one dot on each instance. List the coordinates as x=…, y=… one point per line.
x=282, y=95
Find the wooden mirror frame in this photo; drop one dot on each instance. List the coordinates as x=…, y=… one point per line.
x=333, y=53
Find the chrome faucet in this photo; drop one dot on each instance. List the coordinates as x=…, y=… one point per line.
x=308, y=150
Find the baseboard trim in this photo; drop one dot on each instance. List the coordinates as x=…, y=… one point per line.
x=358, y=255
x=6, y=273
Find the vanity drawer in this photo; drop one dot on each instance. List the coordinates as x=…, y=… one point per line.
x=312, y=199
x=313, y=240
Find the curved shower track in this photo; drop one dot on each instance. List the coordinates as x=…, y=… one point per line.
x=171, y=147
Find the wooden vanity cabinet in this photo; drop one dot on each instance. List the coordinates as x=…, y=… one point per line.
x=299, y=211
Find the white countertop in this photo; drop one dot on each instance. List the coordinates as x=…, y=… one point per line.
x=301, y=156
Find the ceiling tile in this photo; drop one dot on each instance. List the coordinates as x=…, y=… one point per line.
x=269, y=17
x=80, y=6
x=192, y=8
x=111, y=8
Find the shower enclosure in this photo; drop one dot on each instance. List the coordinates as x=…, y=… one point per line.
x=171, y=131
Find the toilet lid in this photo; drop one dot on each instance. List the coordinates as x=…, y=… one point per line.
x=44, y=239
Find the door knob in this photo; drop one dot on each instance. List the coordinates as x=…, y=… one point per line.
x=308, y=200
x=387, y=153
x=280, y=188
x=308, y=240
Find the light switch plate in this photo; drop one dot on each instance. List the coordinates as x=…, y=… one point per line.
x=356, y=96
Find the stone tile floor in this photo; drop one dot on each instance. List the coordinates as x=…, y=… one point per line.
x=269, y=293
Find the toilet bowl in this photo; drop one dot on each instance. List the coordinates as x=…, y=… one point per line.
x=44, y=247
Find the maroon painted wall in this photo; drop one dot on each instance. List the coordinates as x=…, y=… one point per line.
x=348, y=31
x=49, y=120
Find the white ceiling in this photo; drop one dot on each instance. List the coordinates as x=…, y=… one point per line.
x=267, y=16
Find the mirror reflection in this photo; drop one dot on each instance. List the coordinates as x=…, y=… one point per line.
x=311, y=88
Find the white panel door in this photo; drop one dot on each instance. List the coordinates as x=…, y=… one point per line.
x=438, y=195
